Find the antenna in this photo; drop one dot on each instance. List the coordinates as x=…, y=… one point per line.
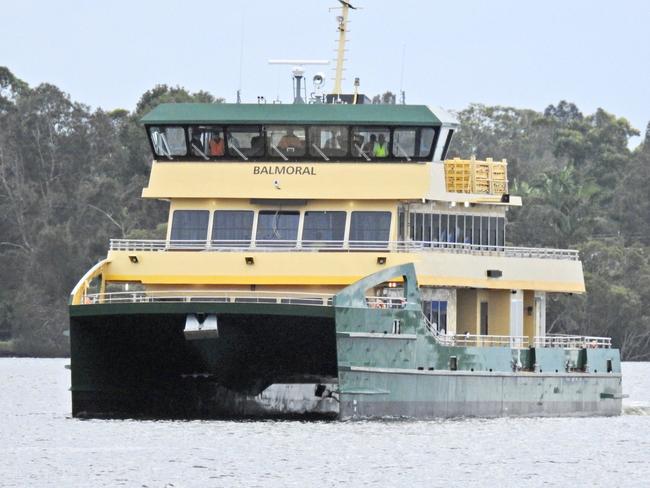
x=298, y=74
x=241, y=56
x=343, y=28
x=402, y=93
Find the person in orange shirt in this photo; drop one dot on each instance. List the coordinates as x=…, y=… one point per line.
x=216, y=145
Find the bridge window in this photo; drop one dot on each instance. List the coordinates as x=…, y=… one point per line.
x=370, y=142
x=245, y=142
x=232, y=227
x=443, y=144
x=168, y=141
x=277, y=228
x=323, y=226
x=285, y=142
x=328, y=141
x=412, y=142
x=371, y=227
x=207, y=142
x=190, y=225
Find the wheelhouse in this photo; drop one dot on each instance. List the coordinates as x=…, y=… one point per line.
x=325, y=133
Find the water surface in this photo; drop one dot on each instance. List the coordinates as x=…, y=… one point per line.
x=41, y=445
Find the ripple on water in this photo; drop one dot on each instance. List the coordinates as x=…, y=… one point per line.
x=40, y=445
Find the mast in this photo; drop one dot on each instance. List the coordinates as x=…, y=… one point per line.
x=343, y=27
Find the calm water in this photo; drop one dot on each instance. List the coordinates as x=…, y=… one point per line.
x=41, y=445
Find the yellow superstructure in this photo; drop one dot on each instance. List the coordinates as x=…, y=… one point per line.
x=331, y=211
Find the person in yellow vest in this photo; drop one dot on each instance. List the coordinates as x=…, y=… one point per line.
x=380, y=149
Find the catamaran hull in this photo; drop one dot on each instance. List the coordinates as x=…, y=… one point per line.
x=443, y=394
x=273, y=360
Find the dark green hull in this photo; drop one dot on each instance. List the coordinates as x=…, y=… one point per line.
x=133, y=360
x=342, y=361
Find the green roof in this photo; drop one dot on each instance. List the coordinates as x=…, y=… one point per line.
x=248, y=113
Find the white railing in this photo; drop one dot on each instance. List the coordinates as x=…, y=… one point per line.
x=340, y=246
x=573, y=342
x=471, y=340
x=209, y=296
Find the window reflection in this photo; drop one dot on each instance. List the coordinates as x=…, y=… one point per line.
x=328, y=141
x=275, y=226
x=232, y=227
x=323, y=226
x=190, y=225
x=245, y=142
x=207, y=141
x=285, y=141
x=168, y=141
x=369, y=226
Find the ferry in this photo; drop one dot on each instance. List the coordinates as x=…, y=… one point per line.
x=328, y=260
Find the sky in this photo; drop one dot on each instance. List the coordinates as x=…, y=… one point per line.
x=526, y=54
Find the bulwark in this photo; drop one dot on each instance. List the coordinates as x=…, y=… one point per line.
x=284, y=170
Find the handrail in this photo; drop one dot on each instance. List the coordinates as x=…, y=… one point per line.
x=573, y=342
x=209, y=296
x=79, y=291
x=475, y=340
x=478, y=340
x=224, y=245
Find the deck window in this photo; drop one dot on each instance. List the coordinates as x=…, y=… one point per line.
x=232, y=227
x=207, y=142
x=369, y=229
x=245, y=142
x=436, y=312
x=275, y=228
x=457, y=229
x=168, y=142
x=370, y=142
x=327, y=142
x=285, y=142
x=190, y=225
x=323, y=226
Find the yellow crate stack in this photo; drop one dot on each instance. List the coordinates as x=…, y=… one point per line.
x=471, y=176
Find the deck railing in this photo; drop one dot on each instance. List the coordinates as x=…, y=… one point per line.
x=210, y=296
x=340, y=246
x=573, y=342
x=476, y=340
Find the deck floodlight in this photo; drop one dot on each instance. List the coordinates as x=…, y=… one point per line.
x=249, y=260
x=133, y=258
x=381, y=260
x=318, y=80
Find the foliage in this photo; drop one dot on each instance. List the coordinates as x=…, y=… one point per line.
x=70, y=179
x=583, y=188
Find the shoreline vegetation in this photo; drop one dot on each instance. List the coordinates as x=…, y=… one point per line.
x=71, y=178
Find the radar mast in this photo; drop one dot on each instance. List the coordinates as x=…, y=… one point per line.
x=340, y=57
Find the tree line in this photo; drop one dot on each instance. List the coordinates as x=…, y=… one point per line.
x=71, y=178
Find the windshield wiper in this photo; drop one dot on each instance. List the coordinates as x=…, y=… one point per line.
x=165, y=147
x=403, y=151
x=241, y=154
x=361, y=151
x=275, y=148
x=320, y=152
x=198, y=150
